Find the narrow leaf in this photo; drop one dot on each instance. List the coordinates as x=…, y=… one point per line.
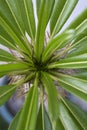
x=52, y=96
x=38, y=4
x=6, y=92
x=78, y=87
x=78, y=20
x=40, y=119
x=82, y=74
x=80, y=115
x=55, y=43
x=22, y=10
x=14, y=122
x=43, y=18
x=78, y=48
x=6, y=56
x=28, y=116
x=43, y=123
x=47, y=122
x=6, y=40
x=7, y=15
x=15, y=37
x=7, y=68
x=79, y=61
x=59, y=125
x=28, y=15
x=67, y=119
x=82, y=27
x=65, y=13
x=58, y=7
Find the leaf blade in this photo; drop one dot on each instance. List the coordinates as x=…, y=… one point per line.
x=55, y=43
x=14, y=122
x=6, y=56
x=12, y=67
x=80, y=115
x=67, y=10
x=75, y=62
x=51, y=92
x=29, y=110
x=58, y=6
x=78, y=20
x=78, y=87
x=43, y=18
x=6, y=92
x=43, y=122
x=66, y=118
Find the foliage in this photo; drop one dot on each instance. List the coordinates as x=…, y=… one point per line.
x=45, y=60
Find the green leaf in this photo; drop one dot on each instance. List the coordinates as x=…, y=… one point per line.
x=14, y=122
x=81, y=28
x=82, y=74
x=43, y=121
x=28, y=116
x=8, y=68
x=40, y=119
x=47, y=122
x=23, y=14
x=67, y=119
x=80, y=115
x=58, y=6
x=6, y=40
x=6, y=56
x=55, y=43
x=78, y=61
x=65, y=13
x=6, y=92
x=12, y=34
x=78, y=48
x=72, y=84
x=38, y=4
x=12, y=30
x=9, y=28
x=27, y=12
x=52, y=96
x=78, y=20
x=43, y=19
x=59, y=125
x=7, y=15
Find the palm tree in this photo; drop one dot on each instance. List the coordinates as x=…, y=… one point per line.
x=52, y=62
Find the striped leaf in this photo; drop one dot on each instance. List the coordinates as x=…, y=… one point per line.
x=58, y=7
x=8, y=68
x=6, y=40
x=59, y=125
x=52, y=97
x=6, y=92
x=67, y=119
x=75, y=62
x=78, y=48
x=23, y=14
x=14, y=122
x=75, y=85
x=64, y=15
x=43, y=19
x=27, y=119
x=80, y=115
x=6, y=56
x=55, y=43
x=12, y=28
x=38, y=4
x=78, y=20
x=43, y=120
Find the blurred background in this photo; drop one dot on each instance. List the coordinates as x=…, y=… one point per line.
x=8, y=110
